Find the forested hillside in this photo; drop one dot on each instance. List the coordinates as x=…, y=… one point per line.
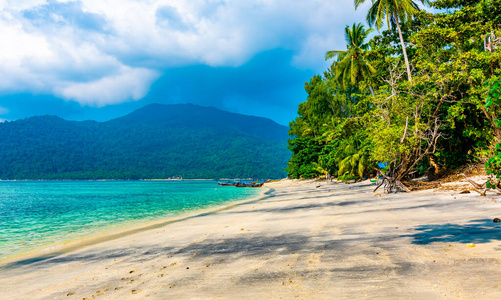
x=157, y=141
x=421, y=96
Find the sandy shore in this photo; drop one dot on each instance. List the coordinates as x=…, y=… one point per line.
x=307, y=241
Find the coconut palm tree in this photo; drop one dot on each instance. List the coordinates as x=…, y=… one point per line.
x=395, y=11
x=351, y=63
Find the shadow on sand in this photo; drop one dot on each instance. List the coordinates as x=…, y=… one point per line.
x=475, y=231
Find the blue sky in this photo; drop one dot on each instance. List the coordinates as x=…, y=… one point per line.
x=101, y=59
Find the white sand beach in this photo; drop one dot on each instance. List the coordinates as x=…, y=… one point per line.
x=306, y=240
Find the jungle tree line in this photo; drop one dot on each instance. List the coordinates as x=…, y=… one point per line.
x=423, y=94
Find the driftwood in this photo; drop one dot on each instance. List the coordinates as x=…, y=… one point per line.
x=482, y=189
x=390, y=184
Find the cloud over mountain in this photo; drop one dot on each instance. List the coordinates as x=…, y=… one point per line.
x=99, y=52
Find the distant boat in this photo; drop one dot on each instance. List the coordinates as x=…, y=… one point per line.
x=240, y=184
x=227, y=183
x=236, y=183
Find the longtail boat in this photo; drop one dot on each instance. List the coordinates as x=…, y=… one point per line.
x=249, y=184
x=240, y=183
x=226, y=182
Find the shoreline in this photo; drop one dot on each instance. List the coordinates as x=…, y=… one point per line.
x=299, y=240
x=115, y=231
x=159, y=179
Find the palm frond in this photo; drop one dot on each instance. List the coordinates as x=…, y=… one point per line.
x=350, y=64
x=334, y=54
x=348, y=34
x=361, y=166
x=358, y=2
x=368, y=65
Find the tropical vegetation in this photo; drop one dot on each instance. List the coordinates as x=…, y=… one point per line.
x=419, y=98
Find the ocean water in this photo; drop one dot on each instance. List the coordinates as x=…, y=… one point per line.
x=34, y=214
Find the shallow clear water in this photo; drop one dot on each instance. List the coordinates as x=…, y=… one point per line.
x=38, y=213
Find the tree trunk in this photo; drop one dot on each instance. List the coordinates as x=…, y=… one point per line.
x=372, y=91
x=403, y=48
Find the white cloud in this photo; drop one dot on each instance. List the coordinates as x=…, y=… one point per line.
x=18, y=5
x=127, y=84
x=105, y=52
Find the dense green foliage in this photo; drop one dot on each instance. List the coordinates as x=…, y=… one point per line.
x=157, y=141
x=433, y=119
x=493, y=104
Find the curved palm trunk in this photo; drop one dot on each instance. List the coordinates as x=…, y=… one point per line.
x=403, y=48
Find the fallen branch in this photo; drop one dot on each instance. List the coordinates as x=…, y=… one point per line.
x=476, y=185
x=482, y=188
x=402, y=186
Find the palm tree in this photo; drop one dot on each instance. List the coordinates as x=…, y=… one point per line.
x=351, y=63
x=394, y=11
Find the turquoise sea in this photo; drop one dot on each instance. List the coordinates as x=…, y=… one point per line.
x=35, y=214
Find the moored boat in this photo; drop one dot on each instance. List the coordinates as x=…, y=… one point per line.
x=226, y=182
x=239, y=183
x=249, y=184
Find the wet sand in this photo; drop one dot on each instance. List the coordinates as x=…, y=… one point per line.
x=307, y=241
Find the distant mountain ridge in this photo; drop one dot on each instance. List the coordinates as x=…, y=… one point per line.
x=156, y=141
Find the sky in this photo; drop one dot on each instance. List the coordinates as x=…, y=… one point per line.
x=102, y=59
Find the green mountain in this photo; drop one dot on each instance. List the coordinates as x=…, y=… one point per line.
x=156, y=141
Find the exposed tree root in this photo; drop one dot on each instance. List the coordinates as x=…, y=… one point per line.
x=482, y=189
x=390, y=184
